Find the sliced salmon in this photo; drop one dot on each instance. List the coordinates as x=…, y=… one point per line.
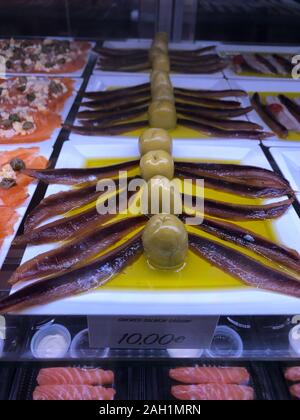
x=210, y=375
x=295, y=391
x=67, y=376
x=14, y=197
x=292, y=374
x=46, y=123
x=73, y=393
x=8, y=218
x=213, y=392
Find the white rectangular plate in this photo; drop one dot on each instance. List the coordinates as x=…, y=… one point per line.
x=228, y=49
x=288, y=161
x=146, y=44
x=105, y=81
x=267, y=86
x=44, y=151
x=153, y=302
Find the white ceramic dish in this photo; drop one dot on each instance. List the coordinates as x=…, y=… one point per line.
x=267, y=86
x=98, y=83
x=146, y=44
x=45, y=151
x=178, y=302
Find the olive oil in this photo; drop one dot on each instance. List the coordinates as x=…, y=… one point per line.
x=196, y=273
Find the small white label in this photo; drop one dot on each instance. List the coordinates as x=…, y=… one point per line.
x=152, y=332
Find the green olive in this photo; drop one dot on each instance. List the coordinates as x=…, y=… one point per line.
x=160, y=78
x=162, y=196
x=155, y=163
x=17, y=164
x=162, y=36
x=163, y=93
x=161, y=62
x=162, y=114
x=155, y=139
x=165, y=241
x=155, y=52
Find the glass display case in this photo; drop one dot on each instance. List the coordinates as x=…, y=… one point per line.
x=73, y=294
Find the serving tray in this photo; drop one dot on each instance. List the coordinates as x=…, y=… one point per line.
x=194, y=291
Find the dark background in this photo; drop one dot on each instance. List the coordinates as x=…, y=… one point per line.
x=276, y=21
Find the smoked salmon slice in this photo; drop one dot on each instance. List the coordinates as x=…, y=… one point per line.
x=295, y=391
x=71, y=376
x=8, y=218
x=292, y=374
x=213, y=392
x=45, y=124
x=210, y=375
x=73, y=393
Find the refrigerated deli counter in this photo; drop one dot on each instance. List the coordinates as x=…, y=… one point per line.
x=195, y=303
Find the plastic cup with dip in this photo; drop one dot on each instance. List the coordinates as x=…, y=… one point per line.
x=294, y=339
x=226, y=343
x=80, y=347
x=185, y=353
x=51, y=342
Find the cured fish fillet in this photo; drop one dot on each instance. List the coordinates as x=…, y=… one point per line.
x=295, y=391
x=72, y=376
x=73, y=393
x=213, y=392
x=210, y=375
x=292, y=374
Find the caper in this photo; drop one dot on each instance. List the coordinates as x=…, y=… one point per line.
x=55, y=87
x=31, y=97
x=165, y=241
x=7, y=183
x=6, y=124
x=17, y=164
x=155, y=163
x=9, y=64
x=28, y=125
x=14, y=118
x=155, y=139
x=61, y=61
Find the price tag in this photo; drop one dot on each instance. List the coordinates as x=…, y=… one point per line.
x=152, y=332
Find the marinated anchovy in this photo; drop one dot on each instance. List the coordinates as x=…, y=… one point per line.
x=113, y=130
x=267, y=63
x=195, y=111
x=63, y=202
x=68, y=227
x=210, y=131
x=248, y=239
x=116, y=118
x=90, y=115
x=230, y=125
x=243, y=174
x=235, y=188
x=211, y=93
x=75, y=253
x=74, y=176
x=78, y=281
x=228, y=211
x=244, y=268
x=117, y=92
x=210, y=102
